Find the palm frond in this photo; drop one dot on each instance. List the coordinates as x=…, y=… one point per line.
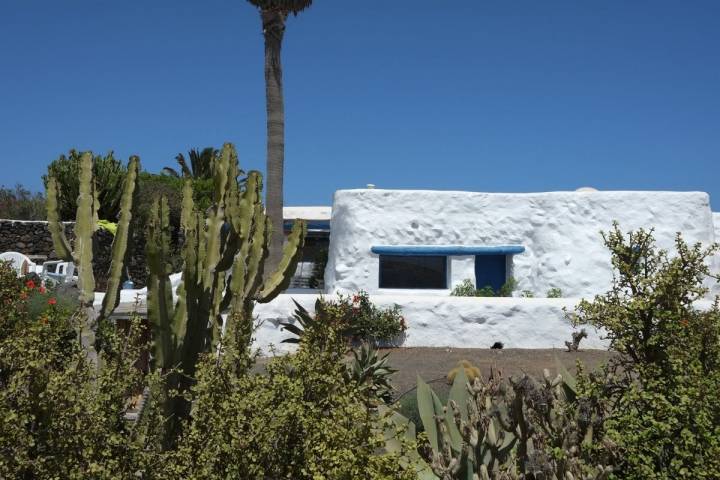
x=288, y=6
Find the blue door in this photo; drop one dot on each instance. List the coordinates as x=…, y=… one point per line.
x=490, y=271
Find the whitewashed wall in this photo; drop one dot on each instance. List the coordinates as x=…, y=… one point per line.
x=559, y=230
x=458, y=322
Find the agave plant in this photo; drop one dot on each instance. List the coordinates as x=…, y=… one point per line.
x=371, y=373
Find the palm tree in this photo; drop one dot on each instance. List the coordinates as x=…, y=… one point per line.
x=273, y=14
x=200, y=163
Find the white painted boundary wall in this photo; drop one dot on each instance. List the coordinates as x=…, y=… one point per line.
x=458, y=322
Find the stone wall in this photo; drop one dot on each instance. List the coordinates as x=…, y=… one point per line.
x=33, y=238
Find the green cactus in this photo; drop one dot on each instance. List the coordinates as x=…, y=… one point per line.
x=120, y=241
x=85, y=225
x=224, y=254
x=487, y=431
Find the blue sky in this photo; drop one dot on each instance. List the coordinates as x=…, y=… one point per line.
x=465, y=95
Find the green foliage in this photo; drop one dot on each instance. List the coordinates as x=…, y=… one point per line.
x=108, y=172
x=486, y=430
x=39, y=297
x=302, y=419
x=357, y=318
x=224, y=254
x=661, y=414
x=554, y=293
x=201, y=164
x=59, y=417
x=527, y=294
x=371, y=373
x=467, y=288
x=507, y=288
x=21, y=204
x=86, y=222
x=109, y=226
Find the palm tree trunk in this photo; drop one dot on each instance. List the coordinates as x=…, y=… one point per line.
x=273, y=29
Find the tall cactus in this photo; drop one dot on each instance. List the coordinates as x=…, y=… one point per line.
x=85, y=225
x=224, y=253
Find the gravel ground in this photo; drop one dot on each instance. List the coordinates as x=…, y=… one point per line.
x=433, y=364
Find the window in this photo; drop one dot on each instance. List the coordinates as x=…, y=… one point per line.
x=413, y=271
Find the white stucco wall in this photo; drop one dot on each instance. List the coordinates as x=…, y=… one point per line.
x=559, y=230
x=458, y=322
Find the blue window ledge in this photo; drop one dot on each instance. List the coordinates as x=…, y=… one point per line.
x=457, y=250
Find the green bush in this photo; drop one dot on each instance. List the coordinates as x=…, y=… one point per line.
x=466, y=288
x=301, y=420
x=660, y=392
x=360, y=319
x=109, y=174
x=554, y=293
x=39, y=297
x=20, y=204
x=59, y=416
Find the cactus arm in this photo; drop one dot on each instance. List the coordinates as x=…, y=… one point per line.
x=120, y=242
x=216, y=218
x=279, y=281
x=57, y=229
x=84, y=228
x=257, y=252
x=159, y=300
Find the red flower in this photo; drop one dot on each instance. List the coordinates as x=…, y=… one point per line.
x=42, y=289
x=30, y=284
x=52, y=301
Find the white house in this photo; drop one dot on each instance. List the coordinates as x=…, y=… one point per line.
x=426, y=242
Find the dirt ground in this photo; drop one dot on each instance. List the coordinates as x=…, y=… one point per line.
x=433, y=364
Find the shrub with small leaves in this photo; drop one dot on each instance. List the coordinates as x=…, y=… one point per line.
x=362, y=320
x=554, y=293
x=660, y=392
x=59, y=416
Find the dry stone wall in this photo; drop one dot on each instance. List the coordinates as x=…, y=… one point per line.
x=33, y=238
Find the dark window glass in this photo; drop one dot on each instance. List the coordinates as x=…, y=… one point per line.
x=398, y=271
